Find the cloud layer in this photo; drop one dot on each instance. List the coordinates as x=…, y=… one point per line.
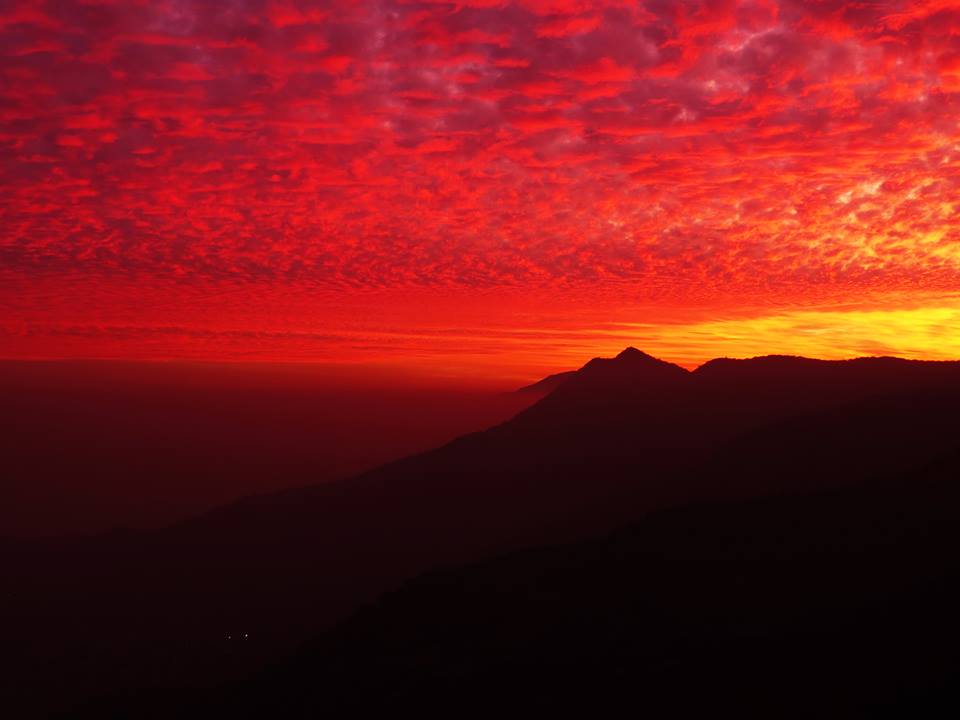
x=659, y=153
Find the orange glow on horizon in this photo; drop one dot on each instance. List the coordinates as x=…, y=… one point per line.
x=489, y=339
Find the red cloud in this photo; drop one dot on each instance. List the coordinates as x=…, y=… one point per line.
x=602, y=70
x=689, y=154
x=567, y=26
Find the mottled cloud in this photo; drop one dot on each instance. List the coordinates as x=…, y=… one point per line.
x=666, y=153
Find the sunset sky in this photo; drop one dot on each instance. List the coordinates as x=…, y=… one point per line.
x=478, y=187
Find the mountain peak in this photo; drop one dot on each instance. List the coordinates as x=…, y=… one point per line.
x=631, y=352
x=632, y=358
x=630, y=369
x=628, y=356
x=624, y=369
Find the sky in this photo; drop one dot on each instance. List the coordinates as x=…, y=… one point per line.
x=480, y=187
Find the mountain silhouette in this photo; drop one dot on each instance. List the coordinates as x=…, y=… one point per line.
x=616, y=440
x=629, y=369
x=831, y=604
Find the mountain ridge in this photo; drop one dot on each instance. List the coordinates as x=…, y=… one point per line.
x=636, y=359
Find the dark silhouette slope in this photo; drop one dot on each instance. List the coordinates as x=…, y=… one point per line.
x=216, y=597
x=547, y=385
x=835, y=604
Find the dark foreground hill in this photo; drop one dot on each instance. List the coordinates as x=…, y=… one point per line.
x=834, y=604
x=215, y=598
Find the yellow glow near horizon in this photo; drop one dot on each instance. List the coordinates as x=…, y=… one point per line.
x=931, y=333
